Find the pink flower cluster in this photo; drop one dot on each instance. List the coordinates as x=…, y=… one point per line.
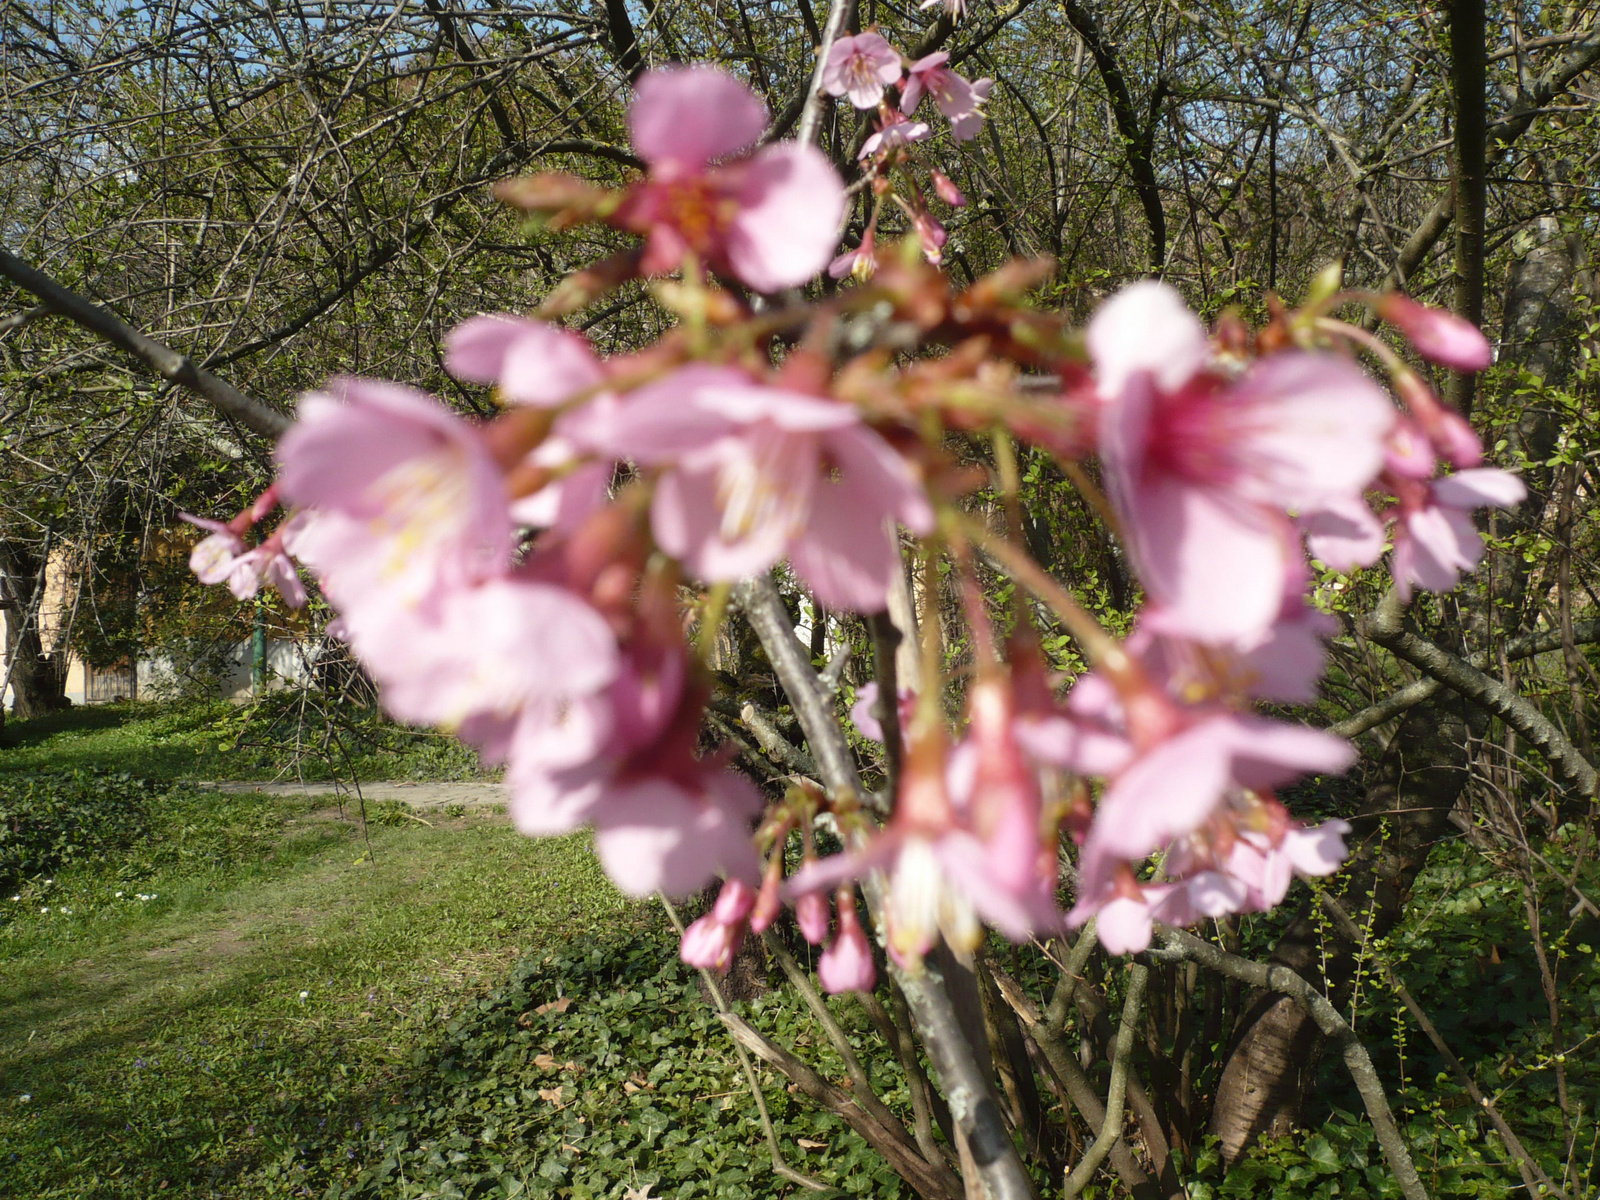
x=861, y=67
x=221, y=556
x=522, y=581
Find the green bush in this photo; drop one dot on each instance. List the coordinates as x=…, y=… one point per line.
x=55, y=819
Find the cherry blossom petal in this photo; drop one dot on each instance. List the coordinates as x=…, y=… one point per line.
x=1479, y=487
x=1318, y=850
x=682, y=118
x=1216, y=566
x=531, y=362
x=791, y=203
x=1123, y=926
x=1146, y=328
x=1344, y=533
x=653, y=836
x=1317, y=432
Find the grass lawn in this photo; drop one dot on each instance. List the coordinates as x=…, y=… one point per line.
x=280, y=737
x=257, y=970
x=238, y=995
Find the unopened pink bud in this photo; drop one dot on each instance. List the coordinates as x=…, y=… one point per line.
x=768, y=903
x=933, y=237
x=948, y=191
x=709, y=944
x=1457, y=440
x=1439, y=336
x=264, y=503
x=846, y=965
x=811, y=913
x=734, y=903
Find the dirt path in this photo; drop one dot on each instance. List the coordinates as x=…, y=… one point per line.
x=419, y=795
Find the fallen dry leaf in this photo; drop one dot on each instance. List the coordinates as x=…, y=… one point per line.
x=545, y=1062
x=553, y=1095
x=559, y=1006
x=808, y=1144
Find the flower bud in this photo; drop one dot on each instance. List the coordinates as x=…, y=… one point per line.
x=709, y=944
x=1438, y=336
x=846, y=965
x=734, y=902
x=948, y=191
x=768, y=903
x=811, y=913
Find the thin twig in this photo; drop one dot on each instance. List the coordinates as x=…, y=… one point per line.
x=1533, y=1176
x=1111, y=1126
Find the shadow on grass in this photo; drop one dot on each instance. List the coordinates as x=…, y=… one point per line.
x=33, y=730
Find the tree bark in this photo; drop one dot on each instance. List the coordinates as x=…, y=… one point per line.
x=38, y=682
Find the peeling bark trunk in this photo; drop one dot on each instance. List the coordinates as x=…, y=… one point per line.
x=1273, y=1059
x=38, y=682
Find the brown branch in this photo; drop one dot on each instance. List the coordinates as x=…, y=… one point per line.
x=779, y=1166
x=1385, y=626
x=1137, y=138
x=1526, y=645
x=910, y=1166
x=163, y=360
x=1061, y=1058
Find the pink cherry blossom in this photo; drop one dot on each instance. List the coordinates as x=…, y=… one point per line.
x=266, y=563
x=754, y=472
x=531, y=362
x=1450, y=434
x=470, y=653
x=959, y=100
x=770, y=219
x=213, y=556
x=947, y=190
x=862, y=262
x=1124, y=923
x=1283, y=663
x=846, y=965
x=931, y=232
x=895, y=135
x=998, y=791
x=711, y=942
x=660, y=835
x=860, y=67
x=1439, y=336
x=1435, y=538
x=409, y=501
x=1203, y=469
x=1179, y=784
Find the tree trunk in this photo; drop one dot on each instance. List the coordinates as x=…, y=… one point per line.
x=38, y=680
